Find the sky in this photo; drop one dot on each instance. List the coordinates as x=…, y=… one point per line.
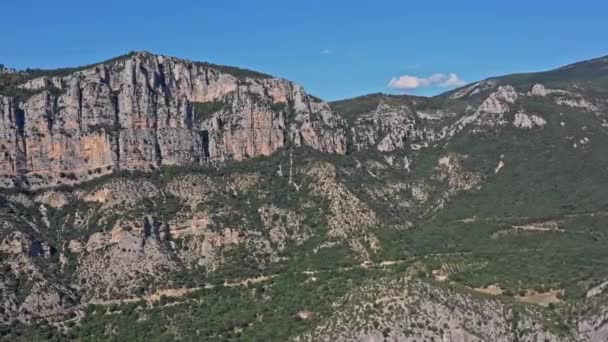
x=335, y=49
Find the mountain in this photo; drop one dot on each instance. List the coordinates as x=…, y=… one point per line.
x=153, y=198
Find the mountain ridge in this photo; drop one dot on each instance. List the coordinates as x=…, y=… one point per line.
x=529, y=78
x=37, y=72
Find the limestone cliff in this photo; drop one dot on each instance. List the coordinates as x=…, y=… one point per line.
x=142, y=111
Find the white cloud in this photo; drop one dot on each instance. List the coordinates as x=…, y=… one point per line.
x=452, y=81
x=326, y=52
x=407, y=82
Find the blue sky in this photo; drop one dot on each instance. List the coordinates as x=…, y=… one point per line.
x=336, y=49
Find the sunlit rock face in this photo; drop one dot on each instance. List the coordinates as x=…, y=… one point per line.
x=143, y=111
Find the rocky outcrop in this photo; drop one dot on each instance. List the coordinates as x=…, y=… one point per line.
x=471, y=90
x=523, y=120
x=492, y=109
x=391, y=127
x=26, y=289
x=284, y=226
x=349, y=218
x=563, y=97
x=143, y=111
x=594, y=326
x=540, y=90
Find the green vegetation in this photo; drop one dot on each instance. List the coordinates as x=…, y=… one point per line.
x=10, y=81
x=544, y=179
x=351, y=109
x=241, y=74
x=9, y=84
x=202, y=111
x=590, y=76
x=484, y=253
x=261, y=312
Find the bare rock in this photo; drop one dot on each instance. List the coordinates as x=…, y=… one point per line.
x=526, y=121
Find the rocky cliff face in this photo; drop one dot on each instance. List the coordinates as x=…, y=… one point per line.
x=142, y=111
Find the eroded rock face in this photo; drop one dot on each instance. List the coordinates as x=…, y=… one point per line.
x=144, y=111
x=410, y=125
x=564, y=98
x=540, y=90
x=593, y=327
x=25, y=290
x=284, y=225
x=391, y=128
x=492, y=109
x=472, y=89
x=348, y=215
x=523, y=120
